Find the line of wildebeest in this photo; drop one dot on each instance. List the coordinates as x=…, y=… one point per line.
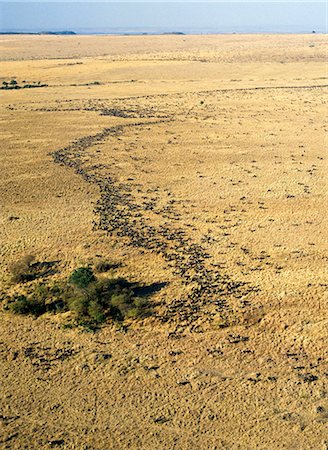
x=208, y=292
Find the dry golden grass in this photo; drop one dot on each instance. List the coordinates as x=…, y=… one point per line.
x=206, y=158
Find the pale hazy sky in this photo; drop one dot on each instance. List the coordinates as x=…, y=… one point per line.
x=242, y=16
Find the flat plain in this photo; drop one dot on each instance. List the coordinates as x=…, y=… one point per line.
x=197, y=165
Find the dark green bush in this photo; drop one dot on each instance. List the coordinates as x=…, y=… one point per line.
x=121, y=303
x=93, y=301
x=102, y=296
x=24, y=305
x=51, y=296
x=96, y=311
x=77, y=302
x=82, y=277
x=113, y=298
x=44, y=298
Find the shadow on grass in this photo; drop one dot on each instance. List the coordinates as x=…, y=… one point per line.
x=27, y=269
x=149, y=290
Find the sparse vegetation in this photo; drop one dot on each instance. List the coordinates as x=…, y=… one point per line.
x=23, y=270
x=82, y=277
x=104, y=266
x=23, y=305
x=27, y=269
x=43, y=298
x=101, y=299
x=91, y=300
x=13, y=84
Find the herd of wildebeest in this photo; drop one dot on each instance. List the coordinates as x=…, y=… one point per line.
x=208, y=292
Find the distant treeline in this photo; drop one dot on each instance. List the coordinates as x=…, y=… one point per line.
x=41, y=32
x=14, y=85
x=69, y=33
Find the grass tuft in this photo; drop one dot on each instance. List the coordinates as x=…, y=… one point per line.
x=23, y=270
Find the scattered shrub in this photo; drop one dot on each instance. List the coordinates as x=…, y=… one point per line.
x=14, y=85
x=26, y=269
x=96, y=311
x=23, y=270
x=106, y=298
x=121, y=304
x=77, y=302
x=92, y=300
x=44, y=298
x=104, y=266
x=50, y=296
x=24, y=305
x=82, y=277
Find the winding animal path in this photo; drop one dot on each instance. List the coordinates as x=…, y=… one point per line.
x=119, y=214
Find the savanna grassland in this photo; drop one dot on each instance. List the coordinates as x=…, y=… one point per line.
x=195, y=168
